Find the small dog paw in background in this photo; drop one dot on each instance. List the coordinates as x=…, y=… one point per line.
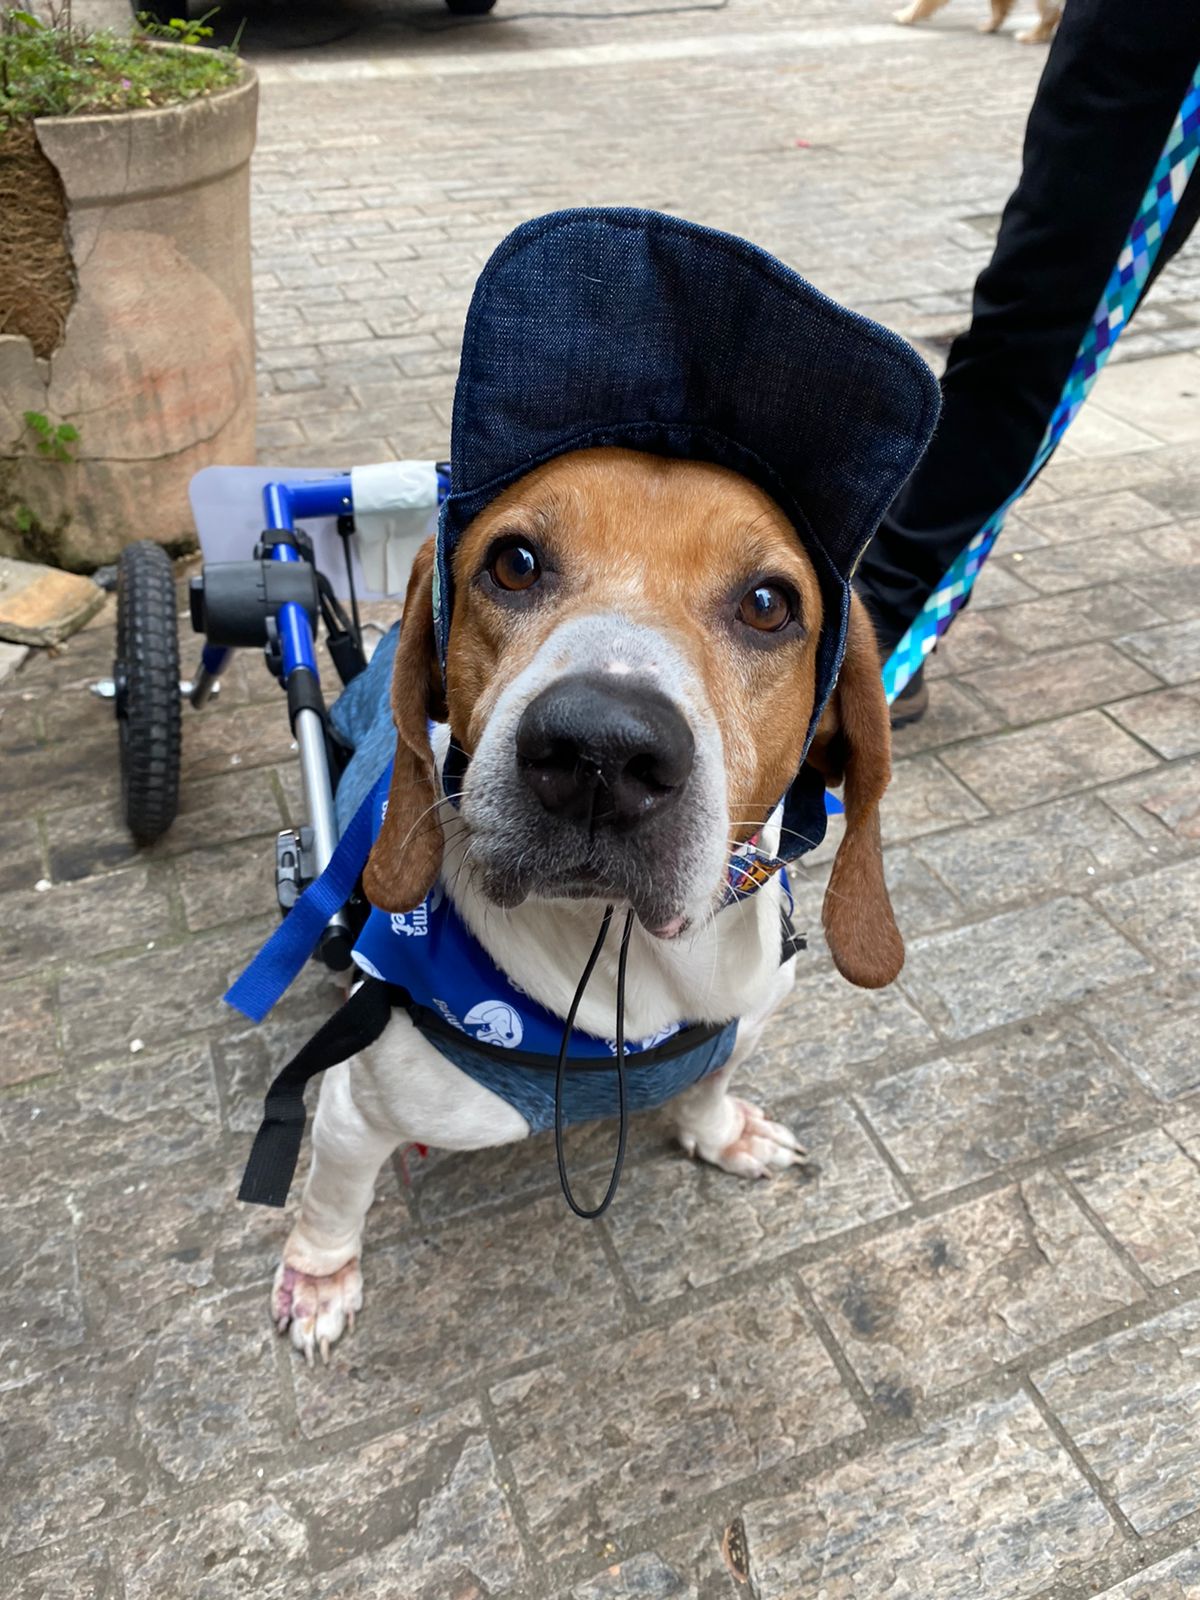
x=1049, y=12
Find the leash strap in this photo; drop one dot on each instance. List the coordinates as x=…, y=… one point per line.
x=276, y=1149
x=1117, y=304
x=294, y=940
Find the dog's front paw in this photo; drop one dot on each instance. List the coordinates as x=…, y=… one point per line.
x=907, y=14
x=749, y=1144
x=317, y=1310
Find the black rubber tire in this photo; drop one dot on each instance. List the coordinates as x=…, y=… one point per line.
x=146, y=672
x=469, y=8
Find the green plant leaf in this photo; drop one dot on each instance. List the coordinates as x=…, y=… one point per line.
x=54, y=70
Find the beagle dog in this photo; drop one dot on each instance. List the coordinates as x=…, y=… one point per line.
x=631, y=673
x=1042, y=31
x=628, y=668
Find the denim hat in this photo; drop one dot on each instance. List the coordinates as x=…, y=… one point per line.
x=626, y=327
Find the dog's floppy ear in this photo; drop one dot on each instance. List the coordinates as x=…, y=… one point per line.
x=404, y=863
x=853, y=744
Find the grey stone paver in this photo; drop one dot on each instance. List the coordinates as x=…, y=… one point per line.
x=1175, y=1579
x=992, y=864
x=1094, y=516
x=986, y=1503
x=926, y=797
x=1056, y=758
x=1162, y=910
x=942, y=1301
x=1154, y=1027
x=723, y=1387
x=1056, y=684
x=1017, y=965
x=955, y=1357
x=1146, y=1191
x=841, y=1029
x=485, y=1263
x=1168, y=720
x=1131, y=1406
x=955, y=714
x=1172, y=651
x=1033, y=1090
x=1080, y=617
x=1161, y=806
x=1174, y=591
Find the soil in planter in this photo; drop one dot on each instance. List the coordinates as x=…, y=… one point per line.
x=37, y=275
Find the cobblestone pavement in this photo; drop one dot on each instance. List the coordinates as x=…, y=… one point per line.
x=958, y=1358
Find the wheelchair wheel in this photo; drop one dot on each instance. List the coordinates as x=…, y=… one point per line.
x=469, y=8
x=146, y=675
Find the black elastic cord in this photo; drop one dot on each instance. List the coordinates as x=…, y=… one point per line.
x=345, y=527
x=344, y=639
x=622, y=1087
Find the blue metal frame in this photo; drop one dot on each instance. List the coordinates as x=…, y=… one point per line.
x=283, y=503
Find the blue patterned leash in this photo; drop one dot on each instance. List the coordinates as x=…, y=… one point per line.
x=1116, y=306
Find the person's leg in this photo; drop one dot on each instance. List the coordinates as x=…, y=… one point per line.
x=1115, y=77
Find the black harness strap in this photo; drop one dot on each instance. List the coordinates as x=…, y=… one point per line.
x=354, y=1026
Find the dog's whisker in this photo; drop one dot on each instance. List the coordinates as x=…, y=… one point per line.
x=461, y=866
x=794, y=832
x=420, y=818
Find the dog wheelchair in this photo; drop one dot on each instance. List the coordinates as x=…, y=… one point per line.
x=285, y=553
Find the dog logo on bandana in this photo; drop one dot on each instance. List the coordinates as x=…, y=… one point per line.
x=493, y=1022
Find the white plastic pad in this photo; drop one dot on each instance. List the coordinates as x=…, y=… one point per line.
x=228, y=510
x=391, y=515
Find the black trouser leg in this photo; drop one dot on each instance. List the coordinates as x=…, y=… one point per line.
x=1115, y=77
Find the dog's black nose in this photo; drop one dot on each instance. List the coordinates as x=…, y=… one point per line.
x=603, y=751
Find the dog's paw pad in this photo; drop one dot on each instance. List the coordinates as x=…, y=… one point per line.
x=316, y=1311
x=762, y=1148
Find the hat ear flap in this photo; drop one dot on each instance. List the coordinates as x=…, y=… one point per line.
x=407, y=856
x=853, y=745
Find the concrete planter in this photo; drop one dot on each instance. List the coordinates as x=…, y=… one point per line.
x=156, y=364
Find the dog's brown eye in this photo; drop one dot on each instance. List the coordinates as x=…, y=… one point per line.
x=767, y=608
x=514, y=566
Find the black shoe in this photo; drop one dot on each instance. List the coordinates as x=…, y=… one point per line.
x=911, y=704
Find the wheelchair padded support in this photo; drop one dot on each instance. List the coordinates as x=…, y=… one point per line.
x=231, y=601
